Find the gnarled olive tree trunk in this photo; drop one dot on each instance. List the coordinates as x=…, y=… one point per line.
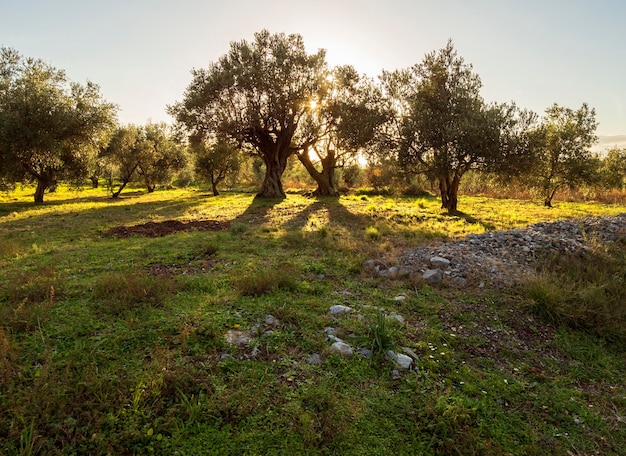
x=325, y=179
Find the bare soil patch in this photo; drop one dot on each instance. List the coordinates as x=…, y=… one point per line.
x=160, y=229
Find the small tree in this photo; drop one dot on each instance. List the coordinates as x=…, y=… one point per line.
x=613, y=169
x=122, y=157
x=563, y=156
x=48, y=125
x=160, y=156
x=216, y=162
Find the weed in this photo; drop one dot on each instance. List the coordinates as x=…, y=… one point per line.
x=118, y=292
x=260, y=281
x=9, y=248
x=583, y=291
x=238, y=228
x=372, y=233
x=379, y=339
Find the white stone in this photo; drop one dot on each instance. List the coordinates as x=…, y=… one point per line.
x=402, y=360
x=339, y=309
x=342, y=348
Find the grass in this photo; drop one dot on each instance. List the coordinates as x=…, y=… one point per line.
x=116, y=346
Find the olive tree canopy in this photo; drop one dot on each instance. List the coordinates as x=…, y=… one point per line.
x=48, y=125
x=443, y=128
x=259, y=94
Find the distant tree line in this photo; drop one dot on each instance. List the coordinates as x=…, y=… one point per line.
x=267, y=106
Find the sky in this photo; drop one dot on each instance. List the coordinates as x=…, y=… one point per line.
x=141, y=52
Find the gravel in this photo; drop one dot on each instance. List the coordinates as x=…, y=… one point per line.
x=502, y=258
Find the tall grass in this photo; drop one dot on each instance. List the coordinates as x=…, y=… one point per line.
x=584, y=291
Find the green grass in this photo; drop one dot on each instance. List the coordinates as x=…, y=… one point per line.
x=116, y=346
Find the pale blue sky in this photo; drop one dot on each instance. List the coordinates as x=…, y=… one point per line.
x=140, y=52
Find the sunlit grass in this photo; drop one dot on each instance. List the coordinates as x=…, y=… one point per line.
x=118, y=355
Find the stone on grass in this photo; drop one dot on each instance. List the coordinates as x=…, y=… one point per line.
x=342, y=348
x=433, y=276
x=339, y=309
x=374, y=266
x=401, y=360
x=235, y=337
x=397, y=317
x=314, y=359
x=400, y=298
x=365, y=352
x=271, y=320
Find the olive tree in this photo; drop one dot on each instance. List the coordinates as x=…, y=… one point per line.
x=216, y=161
x=48, y=124
x=258, y=95
x=442, y=126
x=345, y=122
x=562, y=152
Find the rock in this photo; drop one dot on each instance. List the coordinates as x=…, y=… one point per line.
x=225, y=356
x=271, y=320
x=395, y=374
x=342, y=348
x=396, y=272
x=365, y=352
x=397, y=317
x=236, y=337
x=373, y=266
x=402, y=360
x=314, y=359
x=255, y=352
x=339, y=309
x=438, y=262
x=505, y=258
x=411, y=353
x=334, y=338
x=330, y=331
x=400, y=298
x=433, y=276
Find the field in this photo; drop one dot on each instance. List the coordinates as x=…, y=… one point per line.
x=117, y=343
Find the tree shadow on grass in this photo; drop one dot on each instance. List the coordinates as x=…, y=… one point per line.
x=470, y=219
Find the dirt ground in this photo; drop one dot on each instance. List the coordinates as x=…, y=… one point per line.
x=159, y=229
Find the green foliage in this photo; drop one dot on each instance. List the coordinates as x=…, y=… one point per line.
x=216, y=162
x=613, y=169
x=148, y=154
x=259, y=95
x=126, y=361
x=263, y=280
x=562, y=150
x=442, y=126
x=379, y=337
x=48, y=124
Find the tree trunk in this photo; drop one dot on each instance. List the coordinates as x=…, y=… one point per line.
x=214, y=188
x=42, y=184
x=326, y=179
x=151, y=188
x=272, y=183
x=449, y=189
x=94, y=182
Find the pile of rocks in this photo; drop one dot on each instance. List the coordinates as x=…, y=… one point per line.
x=501, y=258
